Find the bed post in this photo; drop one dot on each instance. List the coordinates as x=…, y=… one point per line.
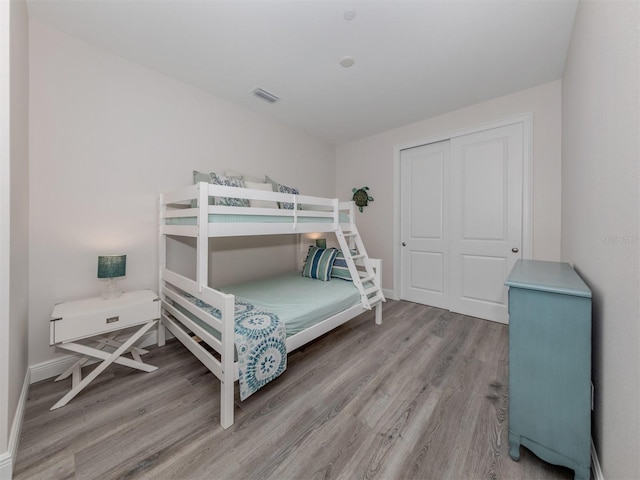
x=162, y=263
x=202, y=242
x=377, y=267
x=227, y=361
x=378, y=309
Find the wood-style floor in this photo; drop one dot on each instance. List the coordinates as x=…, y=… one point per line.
x=423, y=396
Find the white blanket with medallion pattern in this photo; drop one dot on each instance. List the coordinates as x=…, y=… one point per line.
x=260, y=339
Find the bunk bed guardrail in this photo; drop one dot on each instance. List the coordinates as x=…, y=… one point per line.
x=181, y=205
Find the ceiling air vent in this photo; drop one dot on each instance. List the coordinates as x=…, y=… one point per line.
x=264, y=95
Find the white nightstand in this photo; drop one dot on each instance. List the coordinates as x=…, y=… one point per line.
x=102, y=319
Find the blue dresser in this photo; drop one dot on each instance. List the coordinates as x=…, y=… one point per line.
x=550, y=364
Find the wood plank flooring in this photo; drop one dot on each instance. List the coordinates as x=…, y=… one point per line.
x=423, y=396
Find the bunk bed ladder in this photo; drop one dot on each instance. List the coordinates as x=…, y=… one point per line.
x=354, y=251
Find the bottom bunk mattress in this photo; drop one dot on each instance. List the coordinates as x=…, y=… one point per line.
x=298, y=301
x=269, y=310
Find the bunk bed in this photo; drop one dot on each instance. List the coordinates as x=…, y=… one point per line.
x=206, y=319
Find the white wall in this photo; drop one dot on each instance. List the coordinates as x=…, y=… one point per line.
x=14, y=214
x=370, y=162
x=107, y=136
x=600, y=214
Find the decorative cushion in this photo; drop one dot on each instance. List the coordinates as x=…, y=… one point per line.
x=229, y=182
x=273, y=183
x=200, y=177
x=243, y=176
x=261, y=203
x=252, y=178
x=278, y=187
x=340, y=268
x=319, y=263
x=285, y=189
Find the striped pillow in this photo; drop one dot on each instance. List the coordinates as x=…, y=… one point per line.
x=340, y=268
x=319, y=263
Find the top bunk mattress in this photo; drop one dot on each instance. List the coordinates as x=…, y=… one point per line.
x=299, y=302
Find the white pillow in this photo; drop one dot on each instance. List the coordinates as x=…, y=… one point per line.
x=261, y=203
x=245, y=178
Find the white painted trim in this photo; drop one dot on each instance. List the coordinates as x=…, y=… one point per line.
x=596, y=469
x=55, y=366
x=6, y=466
x=527, y=187
x=390, y=294
x=5, y=233
x=8, y=458
x=526, y=120
x=397, y=235
x=51, y=368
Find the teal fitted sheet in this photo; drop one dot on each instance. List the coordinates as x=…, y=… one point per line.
x=298, y=301
x=233, y=218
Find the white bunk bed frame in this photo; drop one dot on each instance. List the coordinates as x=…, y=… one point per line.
x=319, y=215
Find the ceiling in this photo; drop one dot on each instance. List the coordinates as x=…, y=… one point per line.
x=413, y=59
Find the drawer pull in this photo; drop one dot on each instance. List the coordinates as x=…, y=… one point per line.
x=113, y=319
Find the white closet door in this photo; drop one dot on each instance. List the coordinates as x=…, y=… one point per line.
x=424, y=200
x=486, y=219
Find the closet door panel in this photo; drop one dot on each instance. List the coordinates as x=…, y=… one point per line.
x=486, y=219
x=483, y=189
x=424, y=224
x=481, y=277
x=427, y=271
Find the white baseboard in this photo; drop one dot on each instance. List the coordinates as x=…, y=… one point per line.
x=6, y=466
x=54, y=367
x=389, y=294
x=51, y=368
x=8, y=458
x=596, y=469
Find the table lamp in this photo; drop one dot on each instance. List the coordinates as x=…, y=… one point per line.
x=112, y=267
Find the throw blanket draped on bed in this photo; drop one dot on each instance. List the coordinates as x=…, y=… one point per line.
x=260, y=339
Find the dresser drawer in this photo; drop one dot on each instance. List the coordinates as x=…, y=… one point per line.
x=90, y=319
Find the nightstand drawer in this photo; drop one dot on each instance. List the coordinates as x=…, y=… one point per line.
x=97, y=316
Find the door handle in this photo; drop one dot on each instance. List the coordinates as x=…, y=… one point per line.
x=515, y=250
x=404, y=244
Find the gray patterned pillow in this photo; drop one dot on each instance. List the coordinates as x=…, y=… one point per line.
x=229, y=182
x=285, y=189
